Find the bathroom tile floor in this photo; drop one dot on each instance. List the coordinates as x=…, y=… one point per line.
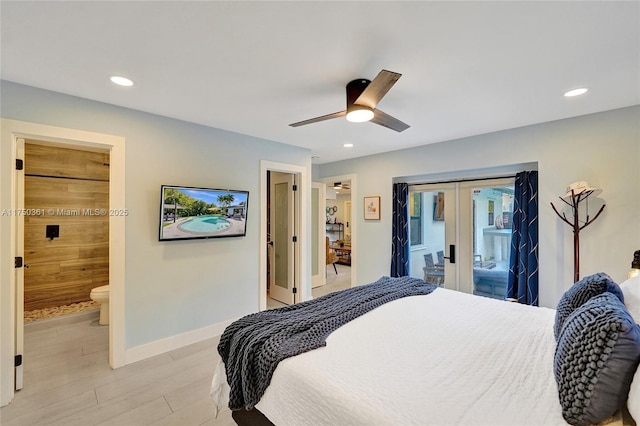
x=56, y=311
x=67, y=381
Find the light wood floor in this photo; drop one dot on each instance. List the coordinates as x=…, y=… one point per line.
x=334, y=282
x=67, y=381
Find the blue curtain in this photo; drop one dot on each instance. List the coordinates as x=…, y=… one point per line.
x=523, y=264
x=400, y=231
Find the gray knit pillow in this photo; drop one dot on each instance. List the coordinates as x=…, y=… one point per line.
x=579, y=293
x=596, y=357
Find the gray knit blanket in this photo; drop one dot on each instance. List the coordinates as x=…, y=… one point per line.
x=252, y=346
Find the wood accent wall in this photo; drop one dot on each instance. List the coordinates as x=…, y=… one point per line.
x=70, y=187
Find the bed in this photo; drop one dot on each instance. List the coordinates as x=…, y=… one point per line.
x=440, y=358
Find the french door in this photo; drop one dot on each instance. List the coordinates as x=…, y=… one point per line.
x=460, y=234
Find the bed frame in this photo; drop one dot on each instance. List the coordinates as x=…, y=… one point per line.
x=250, y=418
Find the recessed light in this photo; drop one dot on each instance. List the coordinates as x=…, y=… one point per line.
x=121, y=81
x=348, y=145
x=576, y=92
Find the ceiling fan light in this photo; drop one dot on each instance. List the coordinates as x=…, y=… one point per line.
x=360, y=115
x=337, y=185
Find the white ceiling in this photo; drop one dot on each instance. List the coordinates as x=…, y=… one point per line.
x=254, y=67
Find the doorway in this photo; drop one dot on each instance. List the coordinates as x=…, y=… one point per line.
x=13, y=135
x=340, y=228
x=66, y=241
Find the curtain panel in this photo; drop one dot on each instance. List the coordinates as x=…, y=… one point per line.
x=523, y=264
x=400, y=231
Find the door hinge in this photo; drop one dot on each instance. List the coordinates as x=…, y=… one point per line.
x=18, y=262
x=295, y=239
x=295, y=187
x=18, y=360
x=295, y=290
x=19, y=164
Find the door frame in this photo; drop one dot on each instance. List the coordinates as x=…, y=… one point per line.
x=11, y=131
x=349, y=222
x=320, y=230
x=302, y=265
x=354, y=221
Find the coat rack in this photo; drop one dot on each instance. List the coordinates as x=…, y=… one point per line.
x=576, y=193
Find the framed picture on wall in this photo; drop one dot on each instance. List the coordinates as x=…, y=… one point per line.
x=438, y=207
x=372, y=208
x=490, y=208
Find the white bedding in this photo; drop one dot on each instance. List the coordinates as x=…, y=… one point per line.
x=441, y=359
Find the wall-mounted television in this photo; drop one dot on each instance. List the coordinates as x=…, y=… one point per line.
x=188, y=213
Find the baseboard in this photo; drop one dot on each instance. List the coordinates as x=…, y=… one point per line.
x=178, y=341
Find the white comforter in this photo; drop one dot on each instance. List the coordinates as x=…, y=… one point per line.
x=441, y=359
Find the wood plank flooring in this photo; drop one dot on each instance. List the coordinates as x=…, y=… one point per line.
x=68, y=381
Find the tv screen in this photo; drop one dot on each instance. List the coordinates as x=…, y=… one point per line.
x=188, y=213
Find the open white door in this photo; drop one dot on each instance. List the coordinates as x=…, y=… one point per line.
x=347, y=220
x=282, y=224
x=19, y=270
x=318, y=232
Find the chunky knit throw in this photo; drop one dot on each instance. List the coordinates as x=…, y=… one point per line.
x=252, y=346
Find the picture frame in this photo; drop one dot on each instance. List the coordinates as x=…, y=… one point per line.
x=490, y=209
x=372, y=208
x=438, y=207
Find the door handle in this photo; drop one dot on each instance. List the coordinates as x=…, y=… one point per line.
x=452, y=254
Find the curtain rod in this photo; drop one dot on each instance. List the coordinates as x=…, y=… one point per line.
x=460, y=180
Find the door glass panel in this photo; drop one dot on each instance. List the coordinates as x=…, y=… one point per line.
x=427, y=235
x=281, y=246
x=492, y=222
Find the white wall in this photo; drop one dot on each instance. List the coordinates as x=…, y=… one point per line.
x=602, y=148
x=170, y=287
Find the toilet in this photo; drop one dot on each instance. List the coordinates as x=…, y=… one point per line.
x=101, y=295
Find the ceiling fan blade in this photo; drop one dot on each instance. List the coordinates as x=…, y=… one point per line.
x=384, y=119
x=379, y=87
x=321, y=118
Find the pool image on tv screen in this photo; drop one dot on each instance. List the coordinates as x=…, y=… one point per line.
x=189, y=213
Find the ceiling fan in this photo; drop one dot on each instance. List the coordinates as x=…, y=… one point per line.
x=342, y=185
x=362, y=97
